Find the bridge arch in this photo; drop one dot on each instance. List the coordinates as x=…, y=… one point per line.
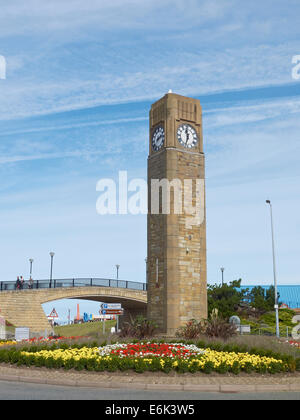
x=24, y=307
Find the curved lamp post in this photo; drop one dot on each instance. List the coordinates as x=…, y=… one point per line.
x=117, y=267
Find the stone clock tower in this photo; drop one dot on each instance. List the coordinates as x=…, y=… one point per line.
x=176, y=260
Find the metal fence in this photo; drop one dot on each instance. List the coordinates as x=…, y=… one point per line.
x=75, y=282
x=284, y=331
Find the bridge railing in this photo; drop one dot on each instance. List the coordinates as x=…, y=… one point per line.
x=75, y=282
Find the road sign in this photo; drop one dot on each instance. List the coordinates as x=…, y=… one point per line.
x=21, y=333
x=111, y=306
x=2, y=328
x=112, y=312
x=109, y=311
x=53, y=314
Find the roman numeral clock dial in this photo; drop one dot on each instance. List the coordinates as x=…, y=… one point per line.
x=187, y=136
x=158, y=138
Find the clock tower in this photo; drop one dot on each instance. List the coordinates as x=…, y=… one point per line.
x=176, y=260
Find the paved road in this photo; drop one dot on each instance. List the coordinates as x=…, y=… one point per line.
x=28, y=391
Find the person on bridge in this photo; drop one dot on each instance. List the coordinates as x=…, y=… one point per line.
x=18, y=283
x=30, y=283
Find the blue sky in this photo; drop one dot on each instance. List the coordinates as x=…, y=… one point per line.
x=80, y=79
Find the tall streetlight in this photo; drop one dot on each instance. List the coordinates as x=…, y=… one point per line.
x=51, y=268
x=31, y=262
x=274, y=271
x=117, y=267
x=146, y=261
x=222, y=271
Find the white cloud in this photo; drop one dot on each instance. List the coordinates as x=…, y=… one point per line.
x=196, y=74
x=252, y=112
x=94, y=56
x=60, y=16
x=264, y=146
x=64, y=126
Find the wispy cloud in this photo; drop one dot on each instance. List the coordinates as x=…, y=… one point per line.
x=74, y=125
x=32, y=17
x=252, y=112
x=201, y=48
x=48, y=156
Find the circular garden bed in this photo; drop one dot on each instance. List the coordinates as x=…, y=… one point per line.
x=149, y=357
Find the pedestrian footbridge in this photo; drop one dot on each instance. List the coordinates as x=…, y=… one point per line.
x=24, y=307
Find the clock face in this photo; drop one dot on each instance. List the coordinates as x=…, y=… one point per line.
x=187, y=136
x=158, y=138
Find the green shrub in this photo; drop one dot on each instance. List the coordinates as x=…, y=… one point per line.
x=201, y=344
x=213, y=328
x=219, y=328
x=223, y=368
x=285, y=318
x=140, y=327
x=208, y=367
x=191, y=330
x=236, y=368
x=248, y=368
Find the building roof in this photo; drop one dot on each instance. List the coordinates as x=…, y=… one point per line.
x=288, y=294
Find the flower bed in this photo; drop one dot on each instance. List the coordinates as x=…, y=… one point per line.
x=51, y=339
x=37, y=340
x=7, y=343
x=163, y=350
x=142, y=357
x=294, y=343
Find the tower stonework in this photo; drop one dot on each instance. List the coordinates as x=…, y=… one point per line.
x=176, y=258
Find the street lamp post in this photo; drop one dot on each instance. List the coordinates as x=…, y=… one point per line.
x=146, y=261
x=51, y=268
x=222, y=271
x=274, y=271
x=31, y=261
x=117, y=267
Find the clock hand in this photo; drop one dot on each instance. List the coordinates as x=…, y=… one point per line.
x=187, y=135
